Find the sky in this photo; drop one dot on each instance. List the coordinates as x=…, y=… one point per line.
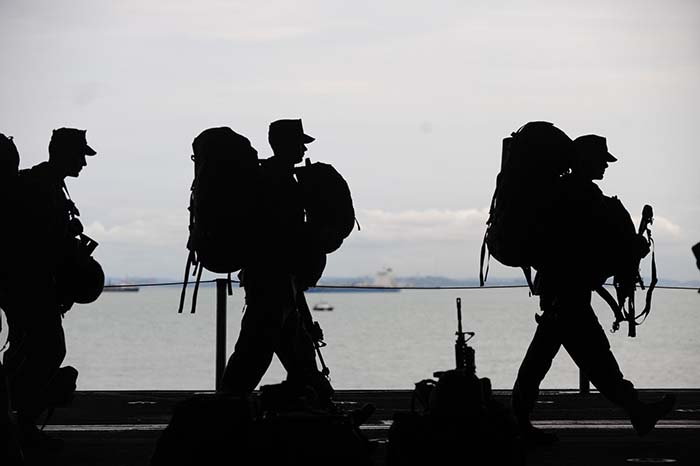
x=408, y=100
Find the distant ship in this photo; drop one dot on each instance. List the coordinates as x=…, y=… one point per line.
x=383, y=283
x=114, y=287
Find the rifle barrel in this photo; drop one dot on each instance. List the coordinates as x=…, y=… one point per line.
x=459, y=316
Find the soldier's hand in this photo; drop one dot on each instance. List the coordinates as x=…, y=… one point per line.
x=316, y=332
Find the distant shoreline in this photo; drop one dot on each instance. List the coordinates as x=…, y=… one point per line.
x=411, y=281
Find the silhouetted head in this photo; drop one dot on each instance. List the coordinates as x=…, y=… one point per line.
x=288, y=140
x=9, y=158
x=67, y=150
x=591, y=156
x=696, y=252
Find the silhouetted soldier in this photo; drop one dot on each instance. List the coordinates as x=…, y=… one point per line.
x=696, y=253
x=35, y=305
x=272, y=323
x=588, y=224
x=10, y=453
x=9, y=165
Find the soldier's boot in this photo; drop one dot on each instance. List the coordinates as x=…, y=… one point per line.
x=645, y=415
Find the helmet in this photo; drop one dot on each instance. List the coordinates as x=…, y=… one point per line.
x=81, y=281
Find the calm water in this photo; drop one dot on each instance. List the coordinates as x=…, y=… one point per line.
x=375, y=340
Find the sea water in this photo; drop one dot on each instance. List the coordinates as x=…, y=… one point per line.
x=138, y=341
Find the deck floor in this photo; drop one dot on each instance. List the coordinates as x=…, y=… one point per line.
x=121, y=428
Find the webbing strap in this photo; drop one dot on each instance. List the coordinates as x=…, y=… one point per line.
x=614, y=305
x=483, y=275
x=631, y=315
x=652, y=285
x=190, y=260
x=527, y=271
x=198, y=269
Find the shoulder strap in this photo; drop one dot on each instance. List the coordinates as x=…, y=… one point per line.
x=72, y=209
x=190, y=261
x=654, y=280
x=484, y=274
x=614, y=306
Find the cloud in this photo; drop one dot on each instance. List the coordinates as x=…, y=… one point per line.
x=432, y=225
x=664, y=228
x=162, y=231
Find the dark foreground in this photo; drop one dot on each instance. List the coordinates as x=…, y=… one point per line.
x=121, y=428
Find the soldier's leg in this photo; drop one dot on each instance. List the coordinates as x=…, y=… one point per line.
x=261, y=329
x=585, y=340
x=296, y=351
x=589, y=347
x=34, y=357
x=537, y=361
x=298, y=355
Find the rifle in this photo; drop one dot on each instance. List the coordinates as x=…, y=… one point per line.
x=464, y=354
x=696, y=253
x=626, y=286
x=314, y=329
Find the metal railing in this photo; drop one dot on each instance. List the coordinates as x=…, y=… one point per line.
x=222, y=287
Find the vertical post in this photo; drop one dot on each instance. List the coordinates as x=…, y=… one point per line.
x=221, y=293
x=584, y=385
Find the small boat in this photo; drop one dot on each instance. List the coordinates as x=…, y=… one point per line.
x=323, y=306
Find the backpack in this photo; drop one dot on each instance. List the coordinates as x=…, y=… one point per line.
x=447, y=417
x=207, y=429
x=533, y=159
x=226, y=174
x=330, y=214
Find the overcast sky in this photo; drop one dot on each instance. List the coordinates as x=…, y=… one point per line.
x=409, y=100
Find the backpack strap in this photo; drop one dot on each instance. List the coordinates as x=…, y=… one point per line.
x=483, y=275
x=72, y=209
x=190, y=261
x=614, y=305
x=527, y=271
x=191, y=257
x=198, y=270
x=654, y=280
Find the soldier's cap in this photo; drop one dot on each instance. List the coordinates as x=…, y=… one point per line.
x=288, y=130
x=593, y=146
x=71, y=139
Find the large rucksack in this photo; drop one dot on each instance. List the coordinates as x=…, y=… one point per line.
x=330, y=214
x=533, y=160
x=448, y=417
x=222, y=207
x=208, y=429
